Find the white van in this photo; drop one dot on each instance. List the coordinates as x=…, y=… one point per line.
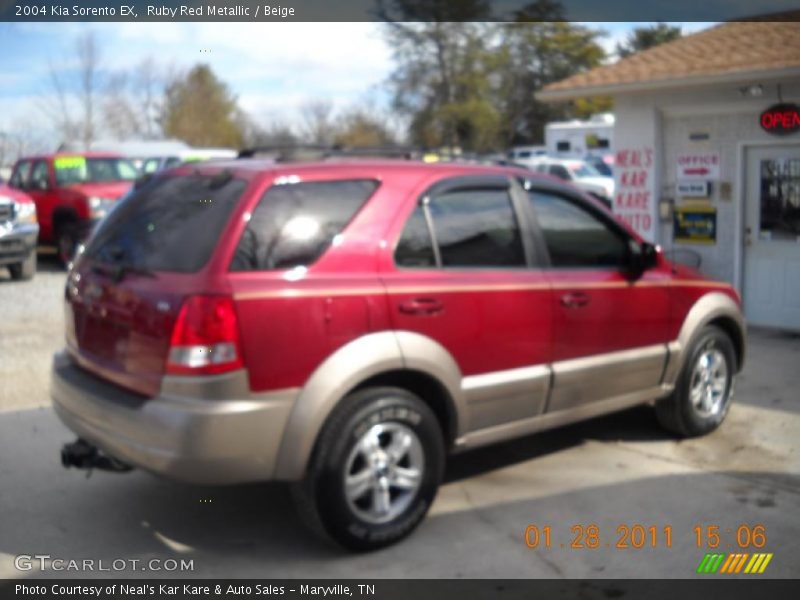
x=579, y=139
x=524, y=154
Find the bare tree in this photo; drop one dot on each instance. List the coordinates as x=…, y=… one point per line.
x=89, y=58
x=364, y=125
x=150, y=82
x=318, y=125
x=269, y=132
x=119, y=115
x=71, y=101
x=56, y=104
x=130, y=103
x=17, y=139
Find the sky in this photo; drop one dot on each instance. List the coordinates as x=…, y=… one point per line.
x=273, y=68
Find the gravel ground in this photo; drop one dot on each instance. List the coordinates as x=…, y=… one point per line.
x=32, y=330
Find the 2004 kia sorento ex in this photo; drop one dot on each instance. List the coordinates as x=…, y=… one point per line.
x=344, y=326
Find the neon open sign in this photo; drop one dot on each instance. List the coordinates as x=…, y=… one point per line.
x=781, y=119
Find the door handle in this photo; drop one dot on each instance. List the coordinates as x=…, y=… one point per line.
x=574, y=300
x=421, y=306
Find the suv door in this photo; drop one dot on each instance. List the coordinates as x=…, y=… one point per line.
x=463, y=272
x=610, y=332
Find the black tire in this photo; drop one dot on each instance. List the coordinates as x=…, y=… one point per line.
x=25, y=270
x=66, y=243
x=677, y=412
x=321, y=497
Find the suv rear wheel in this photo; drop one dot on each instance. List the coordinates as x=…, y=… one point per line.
x=375, y=471
x=704, y=391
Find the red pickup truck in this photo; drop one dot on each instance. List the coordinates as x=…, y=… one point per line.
x=72, y=192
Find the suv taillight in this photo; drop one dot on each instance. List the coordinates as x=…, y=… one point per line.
x=205, y=339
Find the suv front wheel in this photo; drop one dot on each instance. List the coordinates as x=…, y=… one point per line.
x=704, y=390
x=375, y=470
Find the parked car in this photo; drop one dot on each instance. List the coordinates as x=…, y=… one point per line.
x=136, y=150
x=579, y=173
x=72, y=192
x=602, y=164
x=154, y=164
x=18, y=233
x=345, y=326
x=523, y=154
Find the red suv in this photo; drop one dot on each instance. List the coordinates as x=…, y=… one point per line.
x=72, y=192
x=346, y=325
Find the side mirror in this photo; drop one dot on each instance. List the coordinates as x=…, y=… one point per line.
x=41, y=184
x=641, y=257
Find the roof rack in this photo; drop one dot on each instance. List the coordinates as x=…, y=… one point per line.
x=290, y=153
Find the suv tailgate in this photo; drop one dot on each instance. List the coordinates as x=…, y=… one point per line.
x=126, y=290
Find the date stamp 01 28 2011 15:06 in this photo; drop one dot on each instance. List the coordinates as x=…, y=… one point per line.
x=637, y=536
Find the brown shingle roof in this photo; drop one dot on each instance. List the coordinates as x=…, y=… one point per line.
x=727, y=49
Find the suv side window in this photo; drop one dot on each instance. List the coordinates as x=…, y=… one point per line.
x=40, y=179
x=294, y=224
x=415, y=248
x=574, y=236
x=19, y=179
x=472, y=227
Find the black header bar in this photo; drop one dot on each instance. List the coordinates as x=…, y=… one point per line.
x=394, y=10
x=391, y=589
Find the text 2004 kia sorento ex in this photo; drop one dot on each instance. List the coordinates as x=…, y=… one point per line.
x=346, y=325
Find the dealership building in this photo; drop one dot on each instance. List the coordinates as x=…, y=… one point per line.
x=707, y=148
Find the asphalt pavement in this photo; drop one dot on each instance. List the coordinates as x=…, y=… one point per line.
x=614, y=472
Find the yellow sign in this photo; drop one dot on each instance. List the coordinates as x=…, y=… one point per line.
x=69, y=162
x=695, y=224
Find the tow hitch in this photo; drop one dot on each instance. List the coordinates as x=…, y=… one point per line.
x=82, y=455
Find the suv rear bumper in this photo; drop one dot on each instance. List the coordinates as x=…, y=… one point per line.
x=17, y=243
x=211, y=440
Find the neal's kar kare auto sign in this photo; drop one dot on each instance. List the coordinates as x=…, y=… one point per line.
x=781, y=119
x=634, y=200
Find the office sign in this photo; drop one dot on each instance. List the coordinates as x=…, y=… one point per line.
x=698, y=165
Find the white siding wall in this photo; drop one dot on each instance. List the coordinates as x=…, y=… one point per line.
x=666, y=120
x=637, y=129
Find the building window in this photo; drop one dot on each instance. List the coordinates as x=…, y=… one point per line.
x=780, y=198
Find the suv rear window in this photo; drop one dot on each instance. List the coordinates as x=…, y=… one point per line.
x=171, y=224
x=294, y=224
